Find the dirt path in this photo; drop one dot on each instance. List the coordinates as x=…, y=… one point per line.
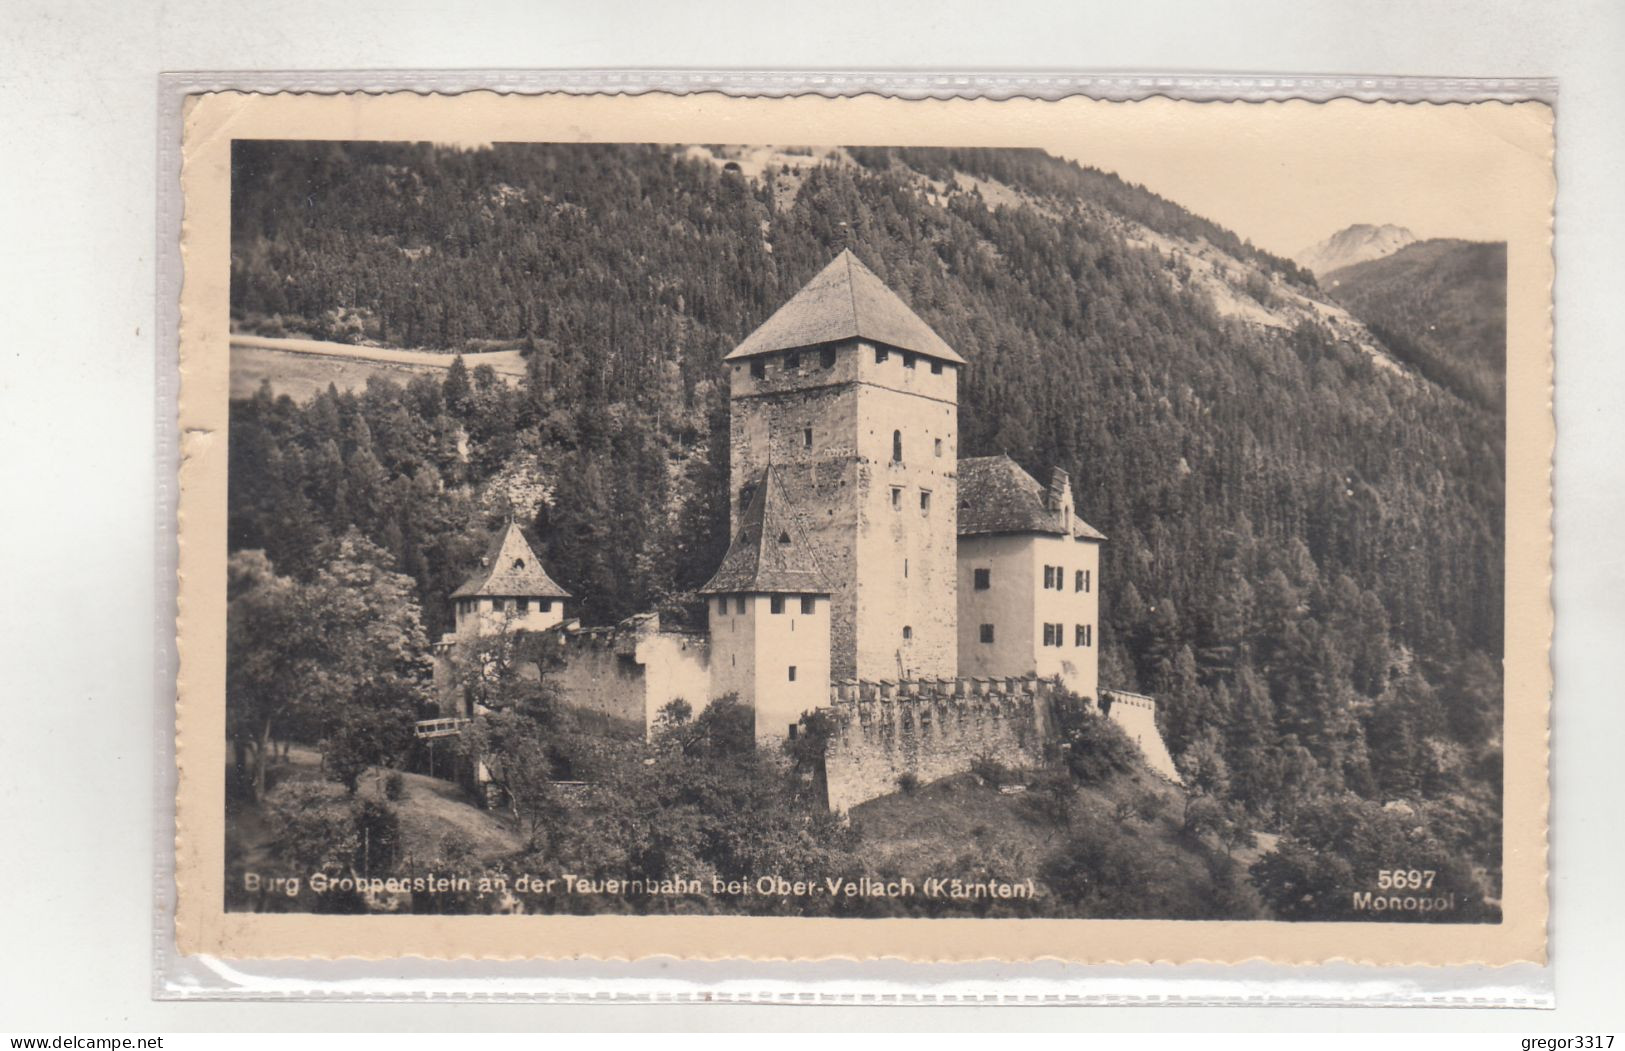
x=503, y=362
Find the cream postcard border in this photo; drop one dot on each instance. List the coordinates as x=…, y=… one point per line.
x=210, y=123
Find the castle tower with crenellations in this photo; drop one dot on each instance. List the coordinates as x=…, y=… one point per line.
x=853, y=400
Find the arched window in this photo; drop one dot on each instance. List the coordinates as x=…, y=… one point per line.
x=897, y=446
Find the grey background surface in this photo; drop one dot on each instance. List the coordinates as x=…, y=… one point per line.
x=78, y=90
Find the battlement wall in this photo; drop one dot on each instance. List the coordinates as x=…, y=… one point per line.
x=930, y=728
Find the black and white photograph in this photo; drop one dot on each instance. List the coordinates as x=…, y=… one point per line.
x=853, y=532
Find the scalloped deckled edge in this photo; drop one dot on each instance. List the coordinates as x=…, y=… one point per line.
x=903, y=86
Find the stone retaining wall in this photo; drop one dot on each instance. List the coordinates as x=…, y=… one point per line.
x=930, y=728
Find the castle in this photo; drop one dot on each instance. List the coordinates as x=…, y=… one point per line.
x=930, y=603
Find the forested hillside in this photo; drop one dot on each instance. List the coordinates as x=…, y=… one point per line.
x=1441, y=306
x=1305, y=548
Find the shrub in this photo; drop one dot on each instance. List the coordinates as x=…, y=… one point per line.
x=991, y=770
x=277, y=775
x=1202, y=816
x=807, y=748
x=313, y=829
x=1260, y=288
x=378, y=836
x=1101, y=873
x=1050, y=798
x=909, y=782
x=457, y=848
x=1148, y=806
x=1098, y=749
x=394, y=786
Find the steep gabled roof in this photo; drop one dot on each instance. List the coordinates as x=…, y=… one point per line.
x=510, y=569
x=770, y=552
x=845, y=301
x=997, y=496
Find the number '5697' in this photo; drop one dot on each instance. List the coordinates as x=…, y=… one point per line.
x=1405, y=879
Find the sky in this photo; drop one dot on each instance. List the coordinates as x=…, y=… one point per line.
x=1287, y=176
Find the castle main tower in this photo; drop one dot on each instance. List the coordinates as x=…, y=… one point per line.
x=854, y=402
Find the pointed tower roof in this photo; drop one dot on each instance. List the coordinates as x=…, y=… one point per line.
x=510, y=569
x=770, y=553
x=845, y=301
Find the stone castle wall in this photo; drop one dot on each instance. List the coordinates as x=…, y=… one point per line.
x=625, y=673
x=1136, y=715
x=930, y=728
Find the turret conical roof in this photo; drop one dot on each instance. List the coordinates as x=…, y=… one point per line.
x=845, y=301
x=510, y=569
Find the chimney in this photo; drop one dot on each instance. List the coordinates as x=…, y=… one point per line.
x=1058, y=499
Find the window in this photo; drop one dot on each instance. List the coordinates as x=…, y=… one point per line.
x=545, y=605
x=905, y=569
x=908, y=631
x=758, y=367
x=1077, y=583
x=722, y=606
x=792, y=361
x=1060, y=634
x=1049, y=634
x=826, y=357
x=777, y=604
x=936, y=368
x=908, y=360
x=925, y=500
x=739, y=603
x=499, y=604
x=896, y=498
x=897, y=446
x=784, y=539
x=1049, y=577
x=984, y=579
x=809, y=603
x=1077, y=635
x=987, y=633
x=881, y=354
x=806, y=437
x=524, y=605
x=1087, y=632
x=937, y=447
x=792, y=673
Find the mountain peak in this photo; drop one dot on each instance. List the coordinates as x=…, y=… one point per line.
x=1354, y=244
